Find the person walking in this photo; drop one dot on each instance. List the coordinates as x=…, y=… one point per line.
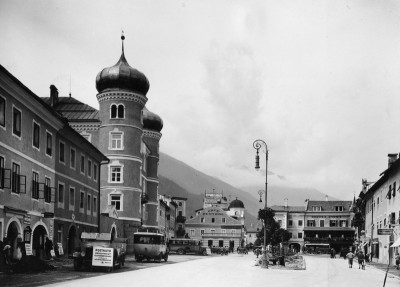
x=397, y=260
x=361, y=260
x=48, y=246
x=350, y=257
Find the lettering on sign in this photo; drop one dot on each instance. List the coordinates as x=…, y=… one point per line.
x=102, y=256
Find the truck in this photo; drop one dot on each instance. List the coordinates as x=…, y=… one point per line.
x=100, y=250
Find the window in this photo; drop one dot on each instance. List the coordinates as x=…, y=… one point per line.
x=343, y=223
x=71, y=196
x=316, y=208
x=16, y=122
x=333, y=223
x=116, y=175
x=89, y=202
x=35, y=185
x=49, y=144
x=95, y=172
x=300, y=222
x=36, y=135
x=223, y=220
x=394, y=189
x=72, y=159
x=82, y=201
x=115, y=200
x=47, y=190
x=61, y=193
x=117, y=111
x=339, y=208
x=202, y=220
x=2, y=112
x=62, y=152
x=321, y=223
x=310, y=223
x=82, y=164
x=2, y=172
x=94, y=204
x=280, y=222
x=300, y=235
x=213, y=220
x=116, y=140
x=290, y=222
x=15, y=180
x=89, y=171
x=192, y=232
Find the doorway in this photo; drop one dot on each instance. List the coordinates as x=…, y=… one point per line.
x=72, y=244
x=12, y=235
x=38, y=239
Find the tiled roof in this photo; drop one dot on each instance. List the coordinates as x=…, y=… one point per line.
x=288, y=208
x=74, y=110
x=329, y=205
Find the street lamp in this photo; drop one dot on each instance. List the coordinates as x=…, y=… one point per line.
x=260, y=144
x=260, y=193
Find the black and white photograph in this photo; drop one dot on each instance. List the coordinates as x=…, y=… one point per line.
x=196, y=143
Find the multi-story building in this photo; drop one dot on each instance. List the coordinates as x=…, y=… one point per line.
x=318, y=222
x=379, y=204
x=215, y=226
x=291, y=218
x=180, y=215
x=167, y=216
x=49, y=174
x=128, y=134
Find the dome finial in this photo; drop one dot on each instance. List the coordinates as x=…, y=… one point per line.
x=122, y=38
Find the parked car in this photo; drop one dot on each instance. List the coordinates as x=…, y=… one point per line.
x=114, y=258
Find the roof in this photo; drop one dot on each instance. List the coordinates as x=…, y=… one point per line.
x=74, y=110
x=288, y=208
x=236, y=204
x=329, y=205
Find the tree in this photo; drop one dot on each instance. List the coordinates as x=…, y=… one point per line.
x=275, y=234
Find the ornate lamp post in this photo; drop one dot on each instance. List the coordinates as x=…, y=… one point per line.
x=260, y=144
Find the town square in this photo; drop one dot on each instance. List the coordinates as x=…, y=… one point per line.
x=195, y=142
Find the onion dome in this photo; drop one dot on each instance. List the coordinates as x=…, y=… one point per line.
x=236, y=204
x=151, y=121
x=121, y=76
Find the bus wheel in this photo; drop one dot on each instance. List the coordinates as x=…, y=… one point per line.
x=180, y=252
x=204, y=252
x=159, y=258
x=166, y=257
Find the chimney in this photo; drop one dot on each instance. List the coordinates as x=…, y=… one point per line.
x=306, y=203
x=326, y=198
x=286, y=202
x=53, y=95
x=392, y=157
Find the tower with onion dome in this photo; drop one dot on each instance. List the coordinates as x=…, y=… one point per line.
x=236, y=210
x=129, y=136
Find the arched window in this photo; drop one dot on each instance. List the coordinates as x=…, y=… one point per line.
x=113, y=111
x=121, y=111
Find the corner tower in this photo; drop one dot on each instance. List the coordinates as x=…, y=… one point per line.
x=152, y=125
x=122, y=95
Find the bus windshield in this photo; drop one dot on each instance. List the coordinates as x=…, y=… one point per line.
x=148, y=239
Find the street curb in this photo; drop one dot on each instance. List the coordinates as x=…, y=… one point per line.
x=384, y=271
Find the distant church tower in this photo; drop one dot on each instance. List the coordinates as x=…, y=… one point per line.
x=236, y=210
x=129, y=181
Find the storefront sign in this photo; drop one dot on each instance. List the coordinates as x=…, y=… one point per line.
x=385, y=231
x=102, y=256
x=28, y=249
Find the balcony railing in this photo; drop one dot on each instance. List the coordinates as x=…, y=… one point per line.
x=220, y=234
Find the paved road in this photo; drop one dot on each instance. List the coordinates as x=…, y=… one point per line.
x=239, y=270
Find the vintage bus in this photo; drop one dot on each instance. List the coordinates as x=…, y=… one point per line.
x=317, y=248
x=150, y=246
x=185, y=246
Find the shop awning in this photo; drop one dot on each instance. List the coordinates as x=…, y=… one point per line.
x=396, y=243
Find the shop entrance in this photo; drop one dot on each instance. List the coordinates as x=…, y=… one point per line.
x=72, y=237
x=38, y=239
x=12, y=235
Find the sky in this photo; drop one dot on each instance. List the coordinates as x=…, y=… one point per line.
x=318, y=81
